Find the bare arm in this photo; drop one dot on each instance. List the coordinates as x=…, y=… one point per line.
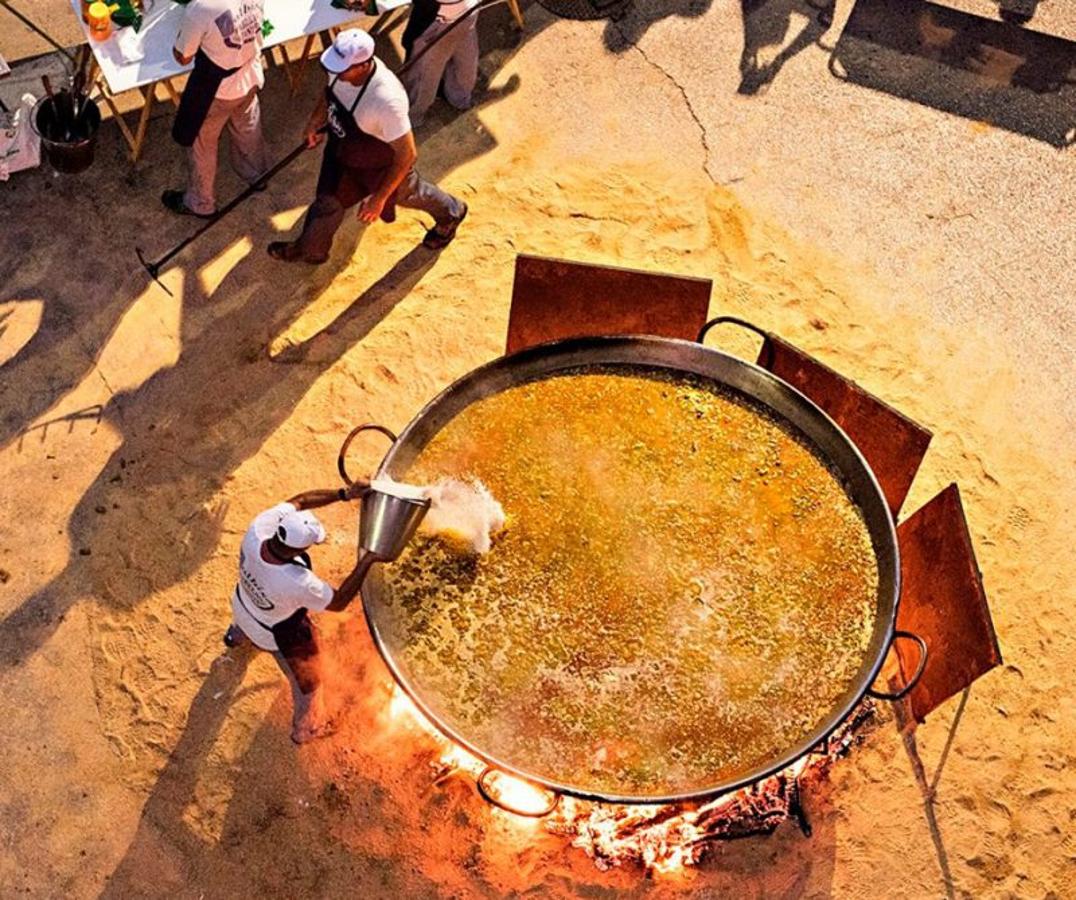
x=404, y=155
x=189, y=38
x=318, y=118
x=349, y=587
x=323, y=497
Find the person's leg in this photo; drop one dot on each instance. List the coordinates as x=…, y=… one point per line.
x=298, y=660
x=335, y=193
x=422, y=78
x=250, y=157
x=306, y=706
x=202, y=159
x=416, y=193
x=447, y=211
x=461, y=73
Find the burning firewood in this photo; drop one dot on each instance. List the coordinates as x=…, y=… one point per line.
x=665, y=837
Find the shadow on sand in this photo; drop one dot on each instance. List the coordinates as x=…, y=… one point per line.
x=144, y=524
x=1010, y=77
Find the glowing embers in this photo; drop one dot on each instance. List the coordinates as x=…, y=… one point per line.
x=663, y=838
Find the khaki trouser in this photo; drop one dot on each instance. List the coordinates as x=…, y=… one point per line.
x=454, y=57
x=326, y=213
x=242, y=117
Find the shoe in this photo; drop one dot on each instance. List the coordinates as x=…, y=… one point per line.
x=305, y=732
x=288, y=251
x=173, y=200
x=234, y=637
x=438, y=239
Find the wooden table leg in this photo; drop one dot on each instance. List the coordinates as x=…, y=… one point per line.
x=135, y=140
x=297, y=79
x=95, y=79
x=143, y=121
x=116, y=114
x=173, y=94
x=286, y=66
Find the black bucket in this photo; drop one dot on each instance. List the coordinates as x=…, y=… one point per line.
x=69, y=149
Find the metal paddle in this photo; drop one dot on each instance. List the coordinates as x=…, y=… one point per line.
x=154, y=267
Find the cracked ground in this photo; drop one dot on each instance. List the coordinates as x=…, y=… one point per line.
x=905, y=221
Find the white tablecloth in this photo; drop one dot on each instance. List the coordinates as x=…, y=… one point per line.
x=129, y=60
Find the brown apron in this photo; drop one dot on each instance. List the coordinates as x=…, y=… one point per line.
x=355, y=163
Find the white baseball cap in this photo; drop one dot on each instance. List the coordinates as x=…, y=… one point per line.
x=300, y=529
x=350, y=48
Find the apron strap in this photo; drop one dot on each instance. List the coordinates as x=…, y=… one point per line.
x=362, y=90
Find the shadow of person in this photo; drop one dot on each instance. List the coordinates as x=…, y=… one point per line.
x=962, y=64
x=767, y=24
x=158, y=834
x=273, y=835
x=627, y=26
x=184, y=431
x=144, y=523
x=84, y=287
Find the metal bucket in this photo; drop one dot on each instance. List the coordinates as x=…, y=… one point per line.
x=71, y=153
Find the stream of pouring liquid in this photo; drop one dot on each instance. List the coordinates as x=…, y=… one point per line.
x=462, y=512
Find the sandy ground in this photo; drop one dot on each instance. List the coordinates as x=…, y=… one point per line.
x=925, y=255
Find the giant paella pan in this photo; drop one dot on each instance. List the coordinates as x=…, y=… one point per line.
x=697, y=583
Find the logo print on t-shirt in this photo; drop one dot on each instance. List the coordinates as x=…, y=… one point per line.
x=233, y=35
x=251, y=587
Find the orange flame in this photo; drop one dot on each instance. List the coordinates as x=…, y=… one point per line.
x=659, y=837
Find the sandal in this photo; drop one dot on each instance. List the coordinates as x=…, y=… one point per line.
x=173, y=200
x=437, y=240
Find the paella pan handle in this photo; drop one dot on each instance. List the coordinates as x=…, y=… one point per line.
x=341, y=460
x=482, y=783
x=916, y=675
x=729, y=320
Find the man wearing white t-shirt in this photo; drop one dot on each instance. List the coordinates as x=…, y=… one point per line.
x=224, y=39
x=277, y=588
x=369, y=158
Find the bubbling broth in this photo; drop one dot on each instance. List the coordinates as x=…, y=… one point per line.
x=683, y=589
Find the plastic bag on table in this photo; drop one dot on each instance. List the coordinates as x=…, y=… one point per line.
x=20, y=147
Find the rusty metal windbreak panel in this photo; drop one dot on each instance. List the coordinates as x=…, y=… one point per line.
x=892, y=444
x=554, y=299
x=943, y=601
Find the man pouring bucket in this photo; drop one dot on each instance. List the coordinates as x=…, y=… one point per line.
x=369, y=157
x=277, y=589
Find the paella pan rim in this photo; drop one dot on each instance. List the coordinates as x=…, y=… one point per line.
x=685, y=358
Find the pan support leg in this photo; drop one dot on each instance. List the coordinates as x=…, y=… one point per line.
x=795, y=806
